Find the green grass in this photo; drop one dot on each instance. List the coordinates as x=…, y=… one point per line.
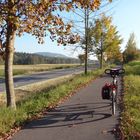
x=31, y=107
x=134, y=63
x=130, y=123
x=133, y=68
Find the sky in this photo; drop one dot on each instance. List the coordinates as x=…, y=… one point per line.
x=126, y=18
x=125, y=15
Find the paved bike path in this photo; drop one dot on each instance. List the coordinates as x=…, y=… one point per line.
x=85, y=116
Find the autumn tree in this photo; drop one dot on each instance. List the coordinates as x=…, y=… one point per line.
x=131, y=52
x=113, y=51
x=105, y=39
x=81, y=19
x=36, y=17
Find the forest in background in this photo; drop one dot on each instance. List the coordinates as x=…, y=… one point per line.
x=28, y=58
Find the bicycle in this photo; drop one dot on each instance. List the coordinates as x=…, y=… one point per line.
x=109, y=90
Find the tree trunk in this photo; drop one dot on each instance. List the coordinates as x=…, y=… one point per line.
x=9, y=53
x=86, y=38
x=101, y=60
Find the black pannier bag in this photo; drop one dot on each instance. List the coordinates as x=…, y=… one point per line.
x=106, y=91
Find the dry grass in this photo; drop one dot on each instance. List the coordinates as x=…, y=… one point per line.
x=24, y=92
x=26, y=69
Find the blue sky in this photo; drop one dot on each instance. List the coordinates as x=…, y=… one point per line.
x=126, y=18
x=125, y=15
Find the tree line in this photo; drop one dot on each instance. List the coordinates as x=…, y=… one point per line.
x=28, y=59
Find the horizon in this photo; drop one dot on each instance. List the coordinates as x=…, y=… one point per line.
x=44, y=52
x=53, y=53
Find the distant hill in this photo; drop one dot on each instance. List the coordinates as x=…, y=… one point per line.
x=41, y=58
x=49, y=54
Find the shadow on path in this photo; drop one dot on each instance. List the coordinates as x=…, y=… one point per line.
x=70, y=115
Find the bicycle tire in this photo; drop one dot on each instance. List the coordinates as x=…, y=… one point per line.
x=113, y=103
x=116, y=91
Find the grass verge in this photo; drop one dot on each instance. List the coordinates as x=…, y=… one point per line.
x=24, y=92
x=30, y=108
x=130, y=122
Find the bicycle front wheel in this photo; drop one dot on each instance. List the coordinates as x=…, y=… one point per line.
x=113, y=102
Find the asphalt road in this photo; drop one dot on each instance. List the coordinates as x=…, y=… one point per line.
x=41, y=76
x=85, y=116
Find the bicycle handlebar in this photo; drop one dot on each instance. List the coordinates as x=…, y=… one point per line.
x=115, y=72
